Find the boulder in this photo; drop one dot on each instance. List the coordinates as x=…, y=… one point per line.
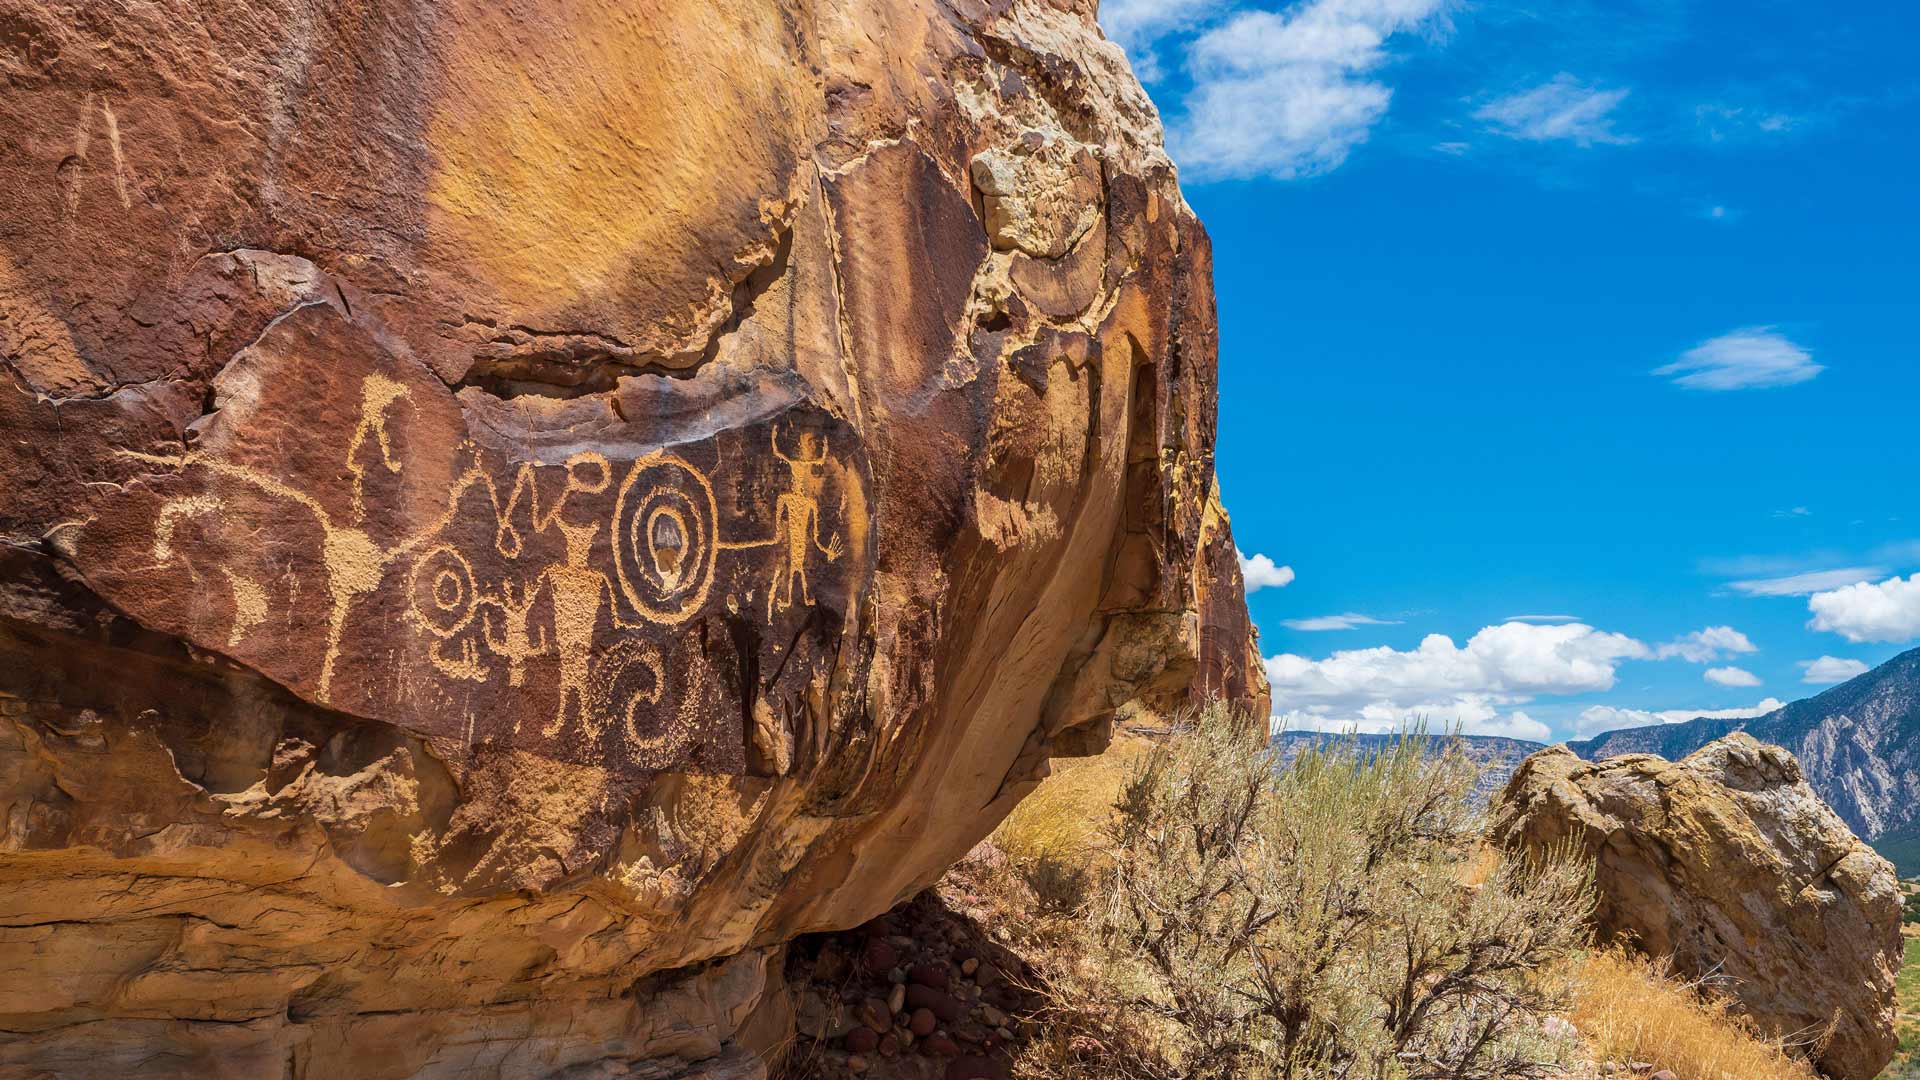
x=1729, y=864
x=511, y=512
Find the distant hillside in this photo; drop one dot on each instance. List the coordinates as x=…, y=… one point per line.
x=1497, y=756
x=1859, y=744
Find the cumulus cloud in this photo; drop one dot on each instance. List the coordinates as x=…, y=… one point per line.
x=1338, y=622
x=1500, y=667
x=1259, y=572
x=1542, y=618
x=1136, y=25
x=1731, y=676
x=1562, y=108
x=1752, y=358
x=1832, y=669
x=1599, y=718
x=1290, y=94
x=1808, y=583
x=1887, y=611
x=1706, y=646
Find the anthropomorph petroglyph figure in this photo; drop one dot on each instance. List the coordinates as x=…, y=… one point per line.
x=796, y=521
x=578, y=590
x=377, y=392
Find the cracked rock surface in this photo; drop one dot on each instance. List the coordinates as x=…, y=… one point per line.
x=1727, y=862
x=512, y=512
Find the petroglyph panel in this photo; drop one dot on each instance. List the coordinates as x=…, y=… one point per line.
x=462, y=567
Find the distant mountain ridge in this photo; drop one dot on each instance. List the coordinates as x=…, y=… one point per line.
x=1858, y=743
x=1496, y=755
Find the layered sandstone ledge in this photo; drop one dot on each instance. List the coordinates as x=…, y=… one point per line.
x=514, y=511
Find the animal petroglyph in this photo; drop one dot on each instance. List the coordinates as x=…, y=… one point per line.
x=544, y=591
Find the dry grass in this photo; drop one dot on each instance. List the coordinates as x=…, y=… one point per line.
x=1628, y=1009
x=1906, y=1063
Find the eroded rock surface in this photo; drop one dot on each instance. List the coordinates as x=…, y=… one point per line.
x=514, y=511
x=1728, y=862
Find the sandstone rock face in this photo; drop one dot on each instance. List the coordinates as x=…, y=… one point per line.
x=512, y=511
x=1728, y=862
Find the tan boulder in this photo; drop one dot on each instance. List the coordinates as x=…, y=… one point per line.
x=510, y=512
x=1727, y=862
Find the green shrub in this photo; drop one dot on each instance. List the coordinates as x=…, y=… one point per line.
x=1317, y=920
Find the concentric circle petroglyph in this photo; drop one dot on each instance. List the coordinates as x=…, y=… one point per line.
x=440, y=590
x=665, y=538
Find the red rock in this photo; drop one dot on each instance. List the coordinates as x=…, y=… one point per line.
x=889, y=1045
x=934, y=975
x=461, y=463
x=926, y=997
x=879, y=957
x=862, y=1040
x=940, y=1046
x=922, y=1023
x=874, y=1013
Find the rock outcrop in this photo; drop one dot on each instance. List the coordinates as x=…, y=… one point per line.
x=513, y=511
x=1728, y=863
x=1859, y=744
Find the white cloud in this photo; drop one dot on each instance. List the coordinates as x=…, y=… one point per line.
x=1599, y=718
x=1338, y=622
x=1721, y=122
x=1832, y=669
x=1542, y=618
x=1259, y=572
x=1888, y=611
x=1136, y=25
x=1562, y=108
x=1752, y=358
x=1731, y=676
x=1807, y=584
x=1287, y=95
x=1472, y=716
x=1382, y=689
x=1705, y=646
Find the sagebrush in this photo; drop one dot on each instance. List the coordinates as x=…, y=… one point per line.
x=1319, y=919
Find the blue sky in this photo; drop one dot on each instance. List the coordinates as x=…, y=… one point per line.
x=1603, y=312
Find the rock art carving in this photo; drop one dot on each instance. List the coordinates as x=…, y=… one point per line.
x=492, y=545
x=662, y=530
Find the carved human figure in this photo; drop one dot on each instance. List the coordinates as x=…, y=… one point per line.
x=796, y=521
x=578, y=591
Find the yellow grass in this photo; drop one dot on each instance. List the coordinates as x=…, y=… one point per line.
x=1629, y=1010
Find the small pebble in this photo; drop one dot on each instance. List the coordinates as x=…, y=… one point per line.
x=970, y=965
x=940, y=1046
x=923, y=1022
x=896, y=999
x=856, y=1064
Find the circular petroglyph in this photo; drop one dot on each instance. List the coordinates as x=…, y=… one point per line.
x=664, y=538
x=440, y=588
